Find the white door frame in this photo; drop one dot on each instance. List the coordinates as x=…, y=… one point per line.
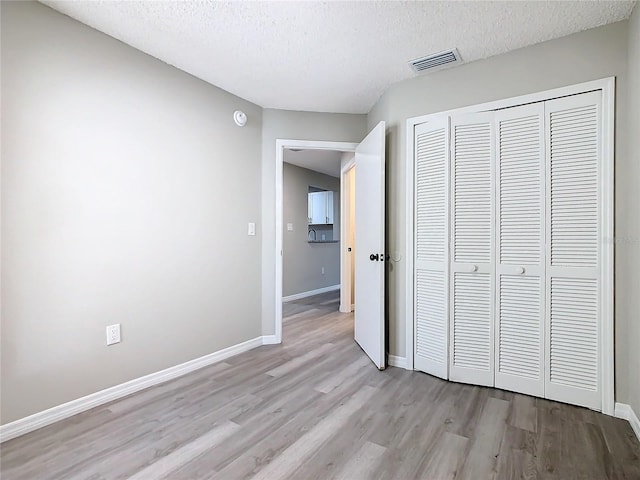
x=346, y=299
x=607, y=87
x=281, y=145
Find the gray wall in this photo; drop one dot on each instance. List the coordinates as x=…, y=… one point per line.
x=126, y=192
x=628, y=249
x=117, y=175
x=303, y=261
x=589, y=55
x=286, y=124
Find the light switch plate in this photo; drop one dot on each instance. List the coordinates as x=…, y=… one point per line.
x=252, y=229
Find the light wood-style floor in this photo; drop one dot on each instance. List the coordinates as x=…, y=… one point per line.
x=316, y=407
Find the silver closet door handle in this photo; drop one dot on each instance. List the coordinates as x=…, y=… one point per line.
x=521, y=270
x=474, y=268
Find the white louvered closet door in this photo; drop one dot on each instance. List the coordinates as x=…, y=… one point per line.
x=574, y=153
x=471, y=278
x=519, y=335
x=431, y=305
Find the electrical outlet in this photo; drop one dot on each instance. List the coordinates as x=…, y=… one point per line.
x=289, y=227
x=113, y=334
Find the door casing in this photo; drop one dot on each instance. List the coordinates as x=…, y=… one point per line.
x=281, y=145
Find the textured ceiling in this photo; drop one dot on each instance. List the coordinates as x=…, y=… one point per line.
x=328, y=56
x=323, y=161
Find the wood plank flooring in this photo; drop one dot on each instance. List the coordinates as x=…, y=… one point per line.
x=316, y=407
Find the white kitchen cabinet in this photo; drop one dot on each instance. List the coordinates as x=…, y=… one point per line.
x=320, y=208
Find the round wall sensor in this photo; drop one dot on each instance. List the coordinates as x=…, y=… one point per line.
x=240, y=118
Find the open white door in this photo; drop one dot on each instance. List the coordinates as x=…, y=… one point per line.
x=370, y=248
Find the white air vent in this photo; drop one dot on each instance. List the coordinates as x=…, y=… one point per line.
x=437, y=61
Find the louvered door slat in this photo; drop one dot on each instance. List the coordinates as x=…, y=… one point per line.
x=471, y=280
x=431, y=317
x=472, y=330
x=520, y=333
x=573, y=136
x=574, y=338
x=431, y=308
x=472, y=192
x=520, y=244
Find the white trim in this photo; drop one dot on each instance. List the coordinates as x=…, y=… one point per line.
x=607, y=86
x=345, y=233
x=270, y=340
x=281, y=144
x=607, y=342
x=342, y=308
x=60, y=412
x=409, y=232
x=601, y=84
x=400, y=362
x=624, y=411
x=310, y=293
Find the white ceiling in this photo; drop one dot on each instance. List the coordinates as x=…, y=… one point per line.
x=323, y=161
x=328, y=56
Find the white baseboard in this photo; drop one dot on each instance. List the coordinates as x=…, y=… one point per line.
x=47, y=417
x=346, y=309
x=310, y=293
x=400, y=362
x=270, y=340
x=624, y=411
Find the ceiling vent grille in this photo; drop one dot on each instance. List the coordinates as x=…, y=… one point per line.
x=437, y=61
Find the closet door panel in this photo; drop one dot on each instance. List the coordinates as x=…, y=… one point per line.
x=573, y=134
x=431, y=302
x=472, y=347
x=519, y=361
x=471, y=279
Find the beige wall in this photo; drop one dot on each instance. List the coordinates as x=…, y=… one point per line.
x=302, y=262
x=628, y=249
x=126, y=192
x=286, y=124
x=589, y=55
